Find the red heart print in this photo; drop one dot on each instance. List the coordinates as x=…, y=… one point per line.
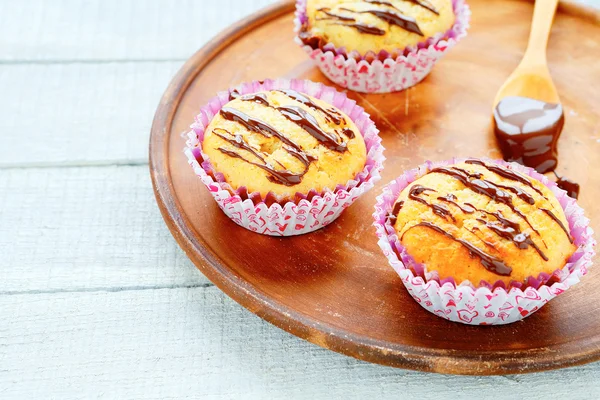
x=467, y=316
x=529, y=295
x=523, y=311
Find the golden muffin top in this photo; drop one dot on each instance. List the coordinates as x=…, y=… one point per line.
x=375, y=25
x=477, y=221
x=284, y=142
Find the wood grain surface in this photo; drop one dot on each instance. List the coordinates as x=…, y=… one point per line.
x=334, y=287
x=96, y=298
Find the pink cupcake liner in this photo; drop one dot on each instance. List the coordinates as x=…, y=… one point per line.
x=381, y=72
x=487, y=304
x=307, y=212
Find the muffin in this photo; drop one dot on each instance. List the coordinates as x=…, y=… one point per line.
x=476, y=222
x=480, y=241
x=367, y=25
x=284, y=157
x=283, y=142
x=379, y=46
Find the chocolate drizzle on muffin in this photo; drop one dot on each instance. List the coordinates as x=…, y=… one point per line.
x=423, y=3
x=426, y=4
x=439, y=209
x=493, y=220
x=302, y=118
x=382, y=28
x=331, y=140
x=331, y=115
x=388, y=13
x=491, y=263
x=559, y=222
x=350, y=22
x=393, y=18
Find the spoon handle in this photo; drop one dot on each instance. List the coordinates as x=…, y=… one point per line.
x=543, y=15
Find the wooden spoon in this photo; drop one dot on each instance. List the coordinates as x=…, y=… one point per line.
x=532, y=78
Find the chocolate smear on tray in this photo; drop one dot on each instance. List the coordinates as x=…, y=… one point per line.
x=490, y=262
x=528, y=131
x=569, y=186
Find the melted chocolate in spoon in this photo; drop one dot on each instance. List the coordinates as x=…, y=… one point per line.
x=528, y=131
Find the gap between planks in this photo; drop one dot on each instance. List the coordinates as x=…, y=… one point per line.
x=90, y=61
x=106, y=289
x=75, y=164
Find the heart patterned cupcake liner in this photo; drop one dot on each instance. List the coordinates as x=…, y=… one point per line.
x=489, y=303
x=382, y=72
x=305, y=212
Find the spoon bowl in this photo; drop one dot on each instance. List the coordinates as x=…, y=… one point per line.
x=532, y=78
x=532, y=81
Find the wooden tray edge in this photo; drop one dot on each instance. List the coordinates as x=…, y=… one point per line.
x=329, y=337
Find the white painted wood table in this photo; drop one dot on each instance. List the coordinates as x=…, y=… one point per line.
x=96, y=298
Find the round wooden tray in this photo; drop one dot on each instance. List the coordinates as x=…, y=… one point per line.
x=334, y=287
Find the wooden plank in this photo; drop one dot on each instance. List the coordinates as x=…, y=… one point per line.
x=65, y=229
x=67, y=30
x=79, y=113
x=176, y=343
x=64, y=30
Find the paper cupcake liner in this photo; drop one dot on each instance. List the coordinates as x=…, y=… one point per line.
x=306, y=212
x=487, y=304
x=382, y=72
